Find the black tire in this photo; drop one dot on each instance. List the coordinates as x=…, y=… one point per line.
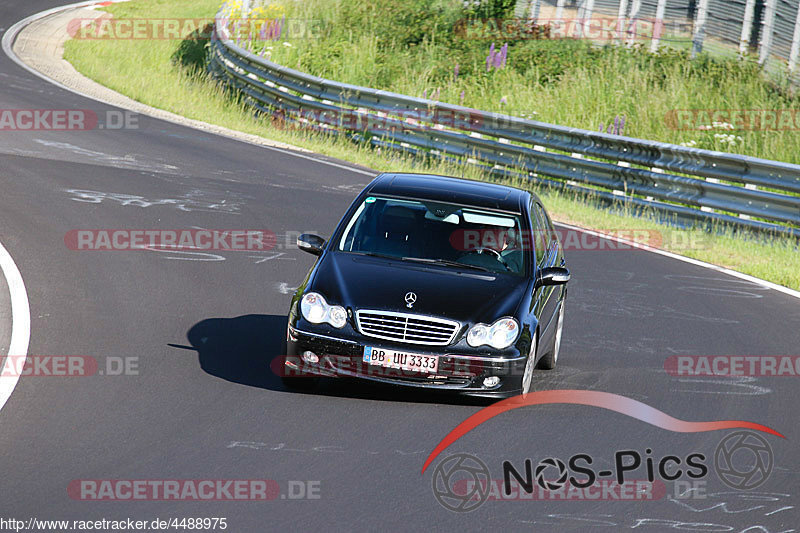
x=530, y=363
x=549, y=360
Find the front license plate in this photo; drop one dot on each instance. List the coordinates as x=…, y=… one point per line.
x=402, y=360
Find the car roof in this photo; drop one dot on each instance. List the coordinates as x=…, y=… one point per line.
x=448, y=189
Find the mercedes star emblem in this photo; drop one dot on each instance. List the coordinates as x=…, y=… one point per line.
x=410, y=299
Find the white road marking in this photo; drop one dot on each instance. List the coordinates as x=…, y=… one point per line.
x=193, y=256
x=10, y=35
x=285, y=288
x=128, y=161
x=746, y=277
x=7, y=46
x=275, y=255
x=20, y=324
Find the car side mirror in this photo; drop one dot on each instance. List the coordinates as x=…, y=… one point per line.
x=311, y=243
x=552, y=276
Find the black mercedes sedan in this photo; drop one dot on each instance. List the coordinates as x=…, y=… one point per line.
x=435, y=282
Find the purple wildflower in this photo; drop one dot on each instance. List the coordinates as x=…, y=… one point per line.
x=277, y=28
x=622, y=126
x=272, y=29
x=616, y=125
x=503, y=101
x=497, y=58
x=462, y=97
x=455, y=72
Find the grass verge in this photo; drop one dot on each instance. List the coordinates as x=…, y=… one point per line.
x=423, y=48
x=151, y=72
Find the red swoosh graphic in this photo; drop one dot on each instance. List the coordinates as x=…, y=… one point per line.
x=605, y=400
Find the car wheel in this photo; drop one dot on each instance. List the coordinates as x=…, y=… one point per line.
x=548, y=361
x=527, y=376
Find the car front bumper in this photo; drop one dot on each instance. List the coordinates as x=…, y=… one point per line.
x=456, y=372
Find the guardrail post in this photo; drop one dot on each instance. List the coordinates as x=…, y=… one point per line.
x=622, y=19
x=658, y=27
x=587, y=17
x=577, y=31
x=795, y=43
x=533, y=10
x=636, y=6
x=747, y=27
x=560, y=9
x=701, y=15
x=766, y=32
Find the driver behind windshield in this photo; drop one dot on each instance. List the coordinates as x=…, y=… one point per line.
x=415, y=229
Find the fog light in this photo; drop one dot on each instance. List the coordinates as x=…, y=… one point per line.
x=491, y=381
x=310, y=357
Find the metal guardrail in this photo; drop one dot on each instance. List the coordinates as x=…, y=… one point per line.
x=684, y=183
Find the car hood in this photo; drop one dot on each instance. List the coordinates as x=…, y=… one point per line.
x=362, y=282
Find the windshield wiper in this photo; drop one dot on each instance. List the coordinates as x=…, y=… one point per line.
x=443, y=262
x=446, y=262
x=376, y=254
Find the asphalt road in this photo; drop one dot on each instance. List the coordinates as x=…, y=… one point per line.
x=201, y=330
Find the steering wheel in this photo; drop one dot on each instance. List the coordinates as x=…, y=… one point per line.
x=497, y=254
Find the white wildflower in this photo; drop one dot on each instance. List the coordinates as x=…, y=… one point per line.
x=727, y=138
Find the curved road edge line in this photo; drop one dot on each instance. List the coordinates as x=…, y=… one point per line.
x=160, y=114
x=691, y=261
x=11, y=33
x=20, y=325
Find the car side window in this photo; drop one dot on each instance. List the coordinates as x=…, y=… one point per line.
x=546, y=236
x=539, y=239
x=551, y=231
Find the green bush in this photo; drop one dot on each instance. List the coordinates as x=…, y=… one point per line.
x=400, y=23
x=489, y=8
x=413, y=46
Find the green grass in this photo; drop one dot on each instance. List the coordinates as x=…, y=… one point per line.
x=412, y=47
x=148, y=71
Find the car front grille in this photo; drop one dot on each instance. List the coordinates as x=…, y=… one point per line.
x=403, y=327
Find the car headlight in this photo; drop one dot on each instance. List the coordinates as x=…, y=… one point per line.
x=316, y=310
x=501, y=334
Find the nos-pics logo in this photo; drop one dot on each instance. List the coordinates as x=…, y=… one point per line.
x=461, y=482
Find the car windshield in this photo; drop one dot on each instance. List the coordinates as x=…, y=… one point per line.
x=437, y=233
